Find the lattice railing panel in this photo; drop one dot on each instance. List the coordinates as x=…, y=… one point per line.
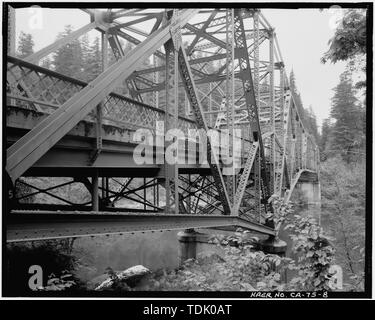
x=52, y=89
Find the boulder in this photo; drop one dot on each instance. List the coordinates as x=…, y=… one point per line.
x=127, y=278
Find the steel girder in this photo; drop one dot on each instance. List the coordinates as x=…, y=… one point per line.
x=29, y=226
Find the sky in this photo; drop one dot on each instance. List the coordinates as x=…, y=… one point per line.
x=303, y=36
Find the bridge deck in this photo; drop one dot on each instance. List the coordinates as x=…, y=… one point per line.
x=72, y=153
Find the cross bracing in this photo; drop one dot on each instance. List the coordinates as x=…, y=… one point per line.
x=207, y=69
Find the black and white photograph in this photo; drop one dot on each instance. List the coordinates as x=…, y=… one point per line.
x=187, y=150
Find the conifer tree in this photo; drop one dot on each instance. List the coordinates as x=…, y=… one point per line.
x=93, y=59
x=68, y=59
x=296, y=94
x=347, y=131
x=25, y=45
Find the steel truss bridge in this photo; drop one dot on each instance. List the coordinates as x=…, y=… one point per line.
x=191, y=68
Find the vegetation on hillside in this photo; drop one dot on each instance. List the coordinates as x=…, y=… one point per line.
x=343, y=149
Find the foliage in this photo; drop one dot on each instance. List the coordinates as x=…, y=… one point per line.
x=343, y=205
x=74, y=192
x=349, y=39
x=347, y=133
x=68, y=59
x=25, y=45
x=54, y=256
x=241, y=267
x=92, y=59
x=315, y=254
x=349, y=43
x=23, y=190
x=325, y=136
x=280, y=212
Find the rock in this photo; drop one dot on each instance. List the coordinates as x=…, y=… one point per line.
x=129, y=277
x=95, y=282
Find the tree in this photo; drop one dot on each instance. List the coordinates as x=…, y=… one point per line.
x=326, y=133
x=68, y=59
x=349, y=39
x=310, y=123
x=347, y=132
x=92, y=59
x=25, y=45
x=349, y=43
x=296, y=94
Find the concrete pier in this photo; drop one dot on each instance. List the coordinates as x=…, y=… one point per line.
x=311, y=191
x=189, y=243
x=273, y=245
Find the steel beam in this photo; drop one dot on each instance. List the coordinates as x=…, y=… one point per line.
x=25, y=152
x=32, y=226
x=213, y=161
x=119, y=53
x=171, y=116
x=95, y=192
x=206, y=35
x=245, y=177
x=249, y=94
x=272, y=111
x=198, y=36
x=230, y=101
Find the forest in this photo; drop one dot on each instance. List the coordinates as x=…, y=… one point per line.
x=342, y=144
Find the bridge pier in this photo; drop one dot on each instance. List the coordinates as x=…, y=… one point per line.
x=311, y=191
x=273, y=245
x=95, y=191
x=189, y=240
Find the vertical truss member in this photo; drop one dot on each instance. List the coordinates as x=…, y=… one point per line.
x=229, y=98
x=272, y=110
x=248, y=87
x=188, y=81
x=171, y=109
x=279, y=166
x=257, y=165
x=119, y=53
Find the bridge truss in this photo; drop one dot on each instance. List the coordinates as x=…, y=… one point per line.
x=206, y=69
